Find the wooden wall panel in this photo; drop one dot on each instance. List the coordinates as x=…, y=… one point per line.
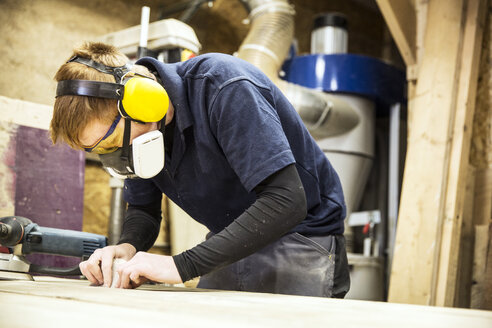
x=421, y=212
x=43, y=182
x=460, y=152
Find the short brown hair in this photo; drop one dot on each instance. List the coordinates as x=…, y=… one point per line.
x=71, y=114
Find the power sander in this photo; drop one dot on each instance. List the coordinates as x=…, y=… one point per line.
x=22, y=237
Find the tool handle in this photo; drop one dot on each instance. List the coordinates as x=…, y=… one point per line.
x=61, y=242
x=41, y=269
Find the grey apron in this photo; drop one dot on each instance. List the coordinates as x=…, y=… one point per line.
x=294, y=264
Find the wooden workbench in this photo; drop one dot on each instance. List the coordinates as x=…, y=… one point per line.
x=54, y=302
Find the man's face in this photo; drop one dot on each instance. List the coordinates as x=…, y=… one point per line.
x=103, y=138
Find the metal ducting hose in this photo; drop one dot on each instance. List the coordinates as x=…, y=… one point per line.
x=270, y=36
x=266, y=46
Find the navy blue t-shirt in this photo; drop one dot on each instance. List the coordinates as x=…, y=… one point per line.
x=234, y=128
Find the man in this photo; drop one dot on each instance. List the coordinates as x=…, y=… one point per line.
x=238, y=159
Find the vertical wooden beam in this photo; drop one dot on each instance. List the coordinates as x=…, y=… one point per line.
x=424, y=187
x=421, y=13
x=401, y=20
x=465, y=257
x=487, y=301
x=460, y=150
x=479, y=266
x=482, y=213
x=482, y=219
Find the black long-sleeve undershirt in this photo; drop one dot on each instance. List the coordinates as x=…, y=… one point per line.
x=280, y=205
x=141, y=225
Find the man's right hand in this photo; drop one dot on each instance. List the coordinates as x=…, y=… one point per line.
x=97, y=269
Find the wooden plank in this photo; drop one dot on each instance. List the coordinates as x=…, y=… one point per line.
x=412, y=71
x=481, y=155
x=482, y=213
x=52, y=312
x=25, y=113
x=401, y=19
x=479, y=266
x=487, y=301
x=421, y=7
x=424, y=184
x=460, y=153
x=465, y=257
x=59, y=302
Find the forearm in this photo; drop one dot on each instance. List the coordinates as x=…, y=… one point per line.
x=280, y=206
x=141, y=225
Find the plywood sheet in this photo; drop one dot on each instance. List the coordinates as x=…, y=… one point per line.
x=51, y=302
x=38, y=180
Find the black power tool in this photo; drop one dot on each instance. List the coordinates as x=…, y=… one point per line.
x=21, y=237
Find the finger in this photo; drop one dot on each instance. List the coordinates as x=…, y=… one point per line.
x=93, y=266
x=87, y=274
x=106, y=266
x=95, y=272
x=120, y=269
x=125, y=276
x=136, y=279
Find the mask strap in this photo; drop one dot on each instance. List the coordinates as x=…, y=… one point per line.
x=163, y=125
x=125, y=152
x=163, y=130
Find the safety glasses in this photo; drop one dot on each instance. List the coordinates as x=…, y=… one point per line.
x=109, y=142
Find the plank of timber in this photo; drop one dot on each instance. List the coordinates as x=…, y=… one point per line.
x=421, y=13
x=59, y=302
x=412, y=71
x=460, y=153
x=25, y=113
x=421, y=211
x=487, y=301
x=482, y=213
x=401, y=19
x=479, y=266
x=465, y=257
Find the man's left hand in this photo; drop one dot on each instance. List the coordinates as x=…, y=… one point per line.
x=144, y=267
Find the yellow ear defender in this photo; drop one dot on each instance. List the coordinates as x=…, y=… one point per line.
x=144, y=100
x=139, y=98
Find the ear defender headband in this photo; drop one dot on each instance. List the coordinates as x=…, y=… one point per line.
x=139, y=98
